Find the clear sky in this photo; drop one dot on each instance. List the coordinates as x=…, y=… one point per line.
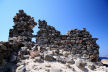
x=64, y=15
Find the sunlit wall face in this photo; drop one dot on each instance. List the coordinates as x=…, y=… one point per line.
x=62, y=14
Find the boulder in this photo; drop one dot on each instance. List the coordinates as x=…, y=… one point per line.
x=34, y=53
x=38, y=59
x=92, y=67
x=20, y=68
x=49, y=58
x=71, y=61
x=80, y=64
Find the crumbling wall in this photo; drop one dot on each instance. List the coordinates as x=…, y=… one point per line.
x=47, y=35
x=19, y=38
x=22, y=30
x=77, y=42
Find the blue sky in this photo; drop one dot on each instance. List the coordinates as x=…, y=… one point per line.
x=64, y=15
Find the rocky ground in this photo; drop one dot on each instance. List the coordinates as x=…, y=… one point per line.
x=31, y=66
x=51, y=61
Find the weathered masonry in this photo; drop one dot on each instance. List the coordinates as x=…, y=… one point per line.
x=76, y=42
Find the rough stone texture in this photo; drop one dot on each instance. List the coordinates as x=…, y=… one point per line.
x=76, y=41
x=8, y=52
x=49, y=58
x=22, y=30
x=19, y=41
x=50, y=45
x=47, y=35
x=92, y=67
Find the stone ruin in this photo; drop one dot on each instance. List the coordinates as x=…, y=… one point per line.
x=77, y=42
x=19, y=39
x=49, y=42
x=22, y=30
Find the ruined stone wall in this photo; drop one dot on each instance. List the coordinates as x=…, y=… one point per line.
x=77, y=42
x=19, y=38
x=22, y=30
x=47, y=35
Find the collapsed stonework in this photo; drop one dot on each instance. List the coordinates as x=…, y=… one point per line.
x=77, y=42
x=50, y=45
x=22, y=31
x=19, y=39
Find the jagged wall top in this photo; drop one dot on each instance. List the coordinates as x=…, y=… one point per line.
x=77, y=42
x=23, y=28
x=23, y=17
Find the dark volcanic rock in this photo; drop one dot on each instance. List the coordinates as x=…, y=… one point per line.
x=49, y=43
x=49, y=58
